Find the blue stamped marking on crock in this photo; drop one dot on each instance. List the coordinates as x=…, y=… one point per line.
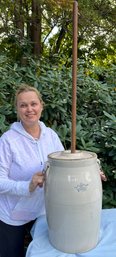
x=81, y=187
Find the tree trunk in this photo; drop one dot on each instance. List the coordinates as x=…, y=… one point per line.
x=19, y=19
x=36, y=28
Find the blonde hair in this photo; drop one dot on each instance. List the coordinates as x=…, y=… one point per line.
x=27, y=88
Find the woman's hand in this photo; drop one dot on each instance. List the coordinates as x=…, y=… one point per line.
x=102, y=175
x=37, y=180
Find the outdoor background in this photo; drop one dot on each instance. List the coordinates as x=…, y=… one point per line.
x=36, y=48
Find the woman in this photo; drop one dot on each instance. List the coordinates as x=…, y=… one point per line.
x=23, y=153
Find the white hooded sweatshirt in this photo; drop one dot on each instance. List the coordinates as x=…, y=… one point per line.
x=20, y=157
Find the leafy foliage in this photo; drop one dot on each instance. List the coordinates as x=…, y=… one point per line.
x=96, y=30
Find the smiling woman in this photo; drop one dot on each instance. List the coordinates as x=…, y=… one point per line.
x=24, y=151
x=29, y=107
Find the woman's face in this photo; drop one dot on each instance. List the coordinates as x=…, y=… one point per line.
x=29, y=108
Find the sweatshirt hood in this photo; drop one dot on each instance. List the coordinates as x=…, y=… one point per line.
x=18, y=127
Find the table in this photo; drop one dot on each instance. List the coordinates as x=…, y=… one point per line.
x=106, y=247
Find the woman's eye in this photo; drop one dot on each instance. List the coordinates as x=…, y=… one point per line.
x=22, y=105
x=34, y=104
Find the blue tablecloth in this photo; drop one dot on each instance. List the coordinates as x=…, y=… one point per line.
x=106, y=247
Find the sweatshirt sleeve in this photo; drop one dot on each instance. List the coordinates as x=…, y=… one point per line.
x=7, y=185
x=58, y=146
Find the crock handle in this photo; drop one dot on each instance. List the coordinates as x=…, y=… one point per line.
x=46, y=168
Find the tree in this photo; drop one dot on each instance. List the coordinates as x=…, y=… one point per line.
x=35, y=20
x=22, y=19
x=19, y=17
x=36, y=27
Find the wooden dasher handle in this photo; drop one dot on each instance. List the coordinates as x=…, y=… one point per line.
x=74, y=75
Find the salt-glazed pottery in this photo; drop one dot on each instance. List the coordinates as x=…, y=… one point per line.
x=73, y=200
